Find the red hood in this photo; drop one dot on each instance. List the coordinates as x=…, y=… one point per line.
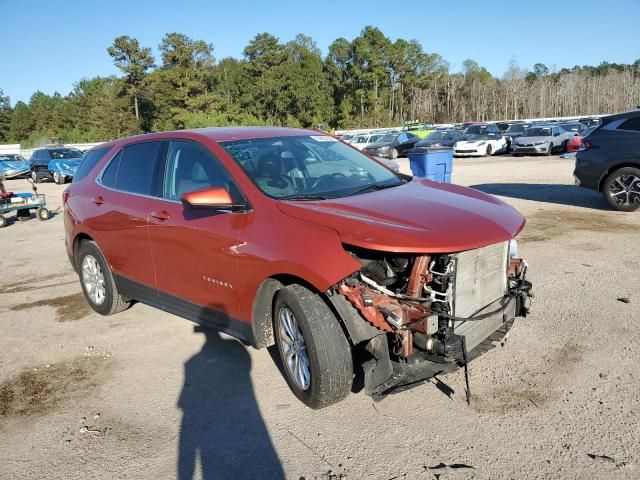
x=419, y=217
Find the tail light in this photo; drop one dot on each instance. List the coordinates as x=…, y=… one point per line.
x=584, y=144
x=65, y=197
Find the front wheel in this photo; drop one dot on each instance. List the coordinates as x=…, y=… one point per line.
x=313, y=348
x=59, y=179
x=98, y=284
x=550, y=149
x=3, y=222
x=489, y=151
x=621, y=189
x=35, y=177
x=394, y=153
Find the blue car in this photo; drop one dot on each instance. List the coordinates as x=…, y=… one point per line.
x=64, y=169
x=58, y=163
x=13, y=166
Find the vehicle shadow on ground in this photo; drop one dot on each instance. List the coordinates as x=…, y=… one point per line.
x=546, y=193
x=222, y=429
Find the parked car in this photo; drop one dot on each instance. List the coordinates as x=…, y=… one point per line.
x=502, y=126
x=608, y=161
x=480, y=145
x=591, y=121
x=515, y=130
x=574, y=142
x=290, y=237
x=13, y=165
x=63, y=169
x=392, y=145
x=418, y=129
x=441, y=138
x=540, y=139
x=362, y=140
x=573, y=128
x=40, y=161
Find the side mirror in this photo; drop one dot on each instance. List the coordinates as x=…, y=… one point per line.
x=215, y=198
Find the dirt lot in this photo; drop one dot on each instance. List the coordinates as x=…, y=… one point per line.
x=144, y=395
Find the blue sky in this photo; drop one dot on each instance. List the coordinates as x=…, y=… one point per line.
x=48, y=46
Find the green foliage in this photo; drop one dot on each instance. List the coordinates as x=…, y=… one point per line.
x=368, y=81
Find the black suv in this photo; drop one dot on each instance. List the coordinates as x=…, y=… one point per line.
x=608, y=161
x=40, y=160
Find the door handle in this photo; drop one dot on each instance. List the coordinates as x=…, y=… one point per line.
x=161, y=215
x=98, y=200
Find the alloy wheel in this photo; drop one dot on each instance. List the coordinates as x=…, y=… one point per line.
x=625, y=190
x=93, y=279
x=294, y=349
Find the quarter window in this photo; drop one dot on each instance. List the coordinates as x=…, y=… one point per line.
x=190, y=166
x=88, y=162
x=111, y=172
x=631, y=124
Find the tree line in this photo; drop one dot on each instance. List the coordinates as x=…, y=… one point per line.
x=369, y=81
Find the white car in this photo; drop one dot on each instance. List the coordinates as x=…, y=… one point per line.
x=363, y=139
x=480, y=145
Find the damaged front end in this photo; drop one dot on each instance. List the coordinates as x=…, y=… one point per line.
x=417, y=316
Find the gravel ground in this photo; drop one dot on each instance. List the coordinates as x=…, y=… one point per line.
x=145, y=395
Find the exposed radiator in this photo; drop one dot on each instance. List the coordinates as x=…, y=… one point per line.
x=481, y=278
x=480, y=283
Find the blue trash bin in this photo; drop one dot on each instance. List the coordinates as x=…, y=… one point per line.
x=434, y=163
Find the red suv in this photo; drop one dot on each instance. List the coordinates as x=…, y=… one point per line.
x=292, y=237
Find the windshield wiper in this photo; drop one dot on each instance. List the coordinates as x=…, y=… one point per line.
x=304, y=196
x=375, y=187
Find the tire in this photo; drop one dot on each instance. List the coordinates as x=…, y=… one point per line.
x=515, y=154
x=550, y=150
x=321, y=340
x=3, y=222
x=23, y=215
x=35, y=177
x=42, y=214
x=394, y=153
x=59, y=179
x=112, y=302
x=489, y=151
x=625, y=200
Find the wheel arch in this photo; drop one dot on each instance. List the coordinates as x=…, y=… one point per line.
x=77, y=241
x=633, y=163
x=263, y=302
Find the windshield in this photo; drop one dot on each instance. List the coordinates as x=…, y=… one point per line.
x=389, y=137
x=65, y=153
x=539, y=132
x=11, y=158
x=572, y=127
x=438, y=135
x=517, y=128
x=308, y=167
x=476, y=129
x=478, y=136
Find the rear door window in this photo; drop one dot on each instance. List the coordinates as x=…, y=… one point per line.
x=138, y=169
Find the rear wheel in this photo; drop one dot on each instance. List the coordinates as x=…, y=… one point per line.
x=621, y=189
x=43, y=214
x=98, y=284
x=315, y=353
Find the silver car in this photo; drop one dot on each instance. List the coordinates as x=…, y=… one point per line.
x=541, y=139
